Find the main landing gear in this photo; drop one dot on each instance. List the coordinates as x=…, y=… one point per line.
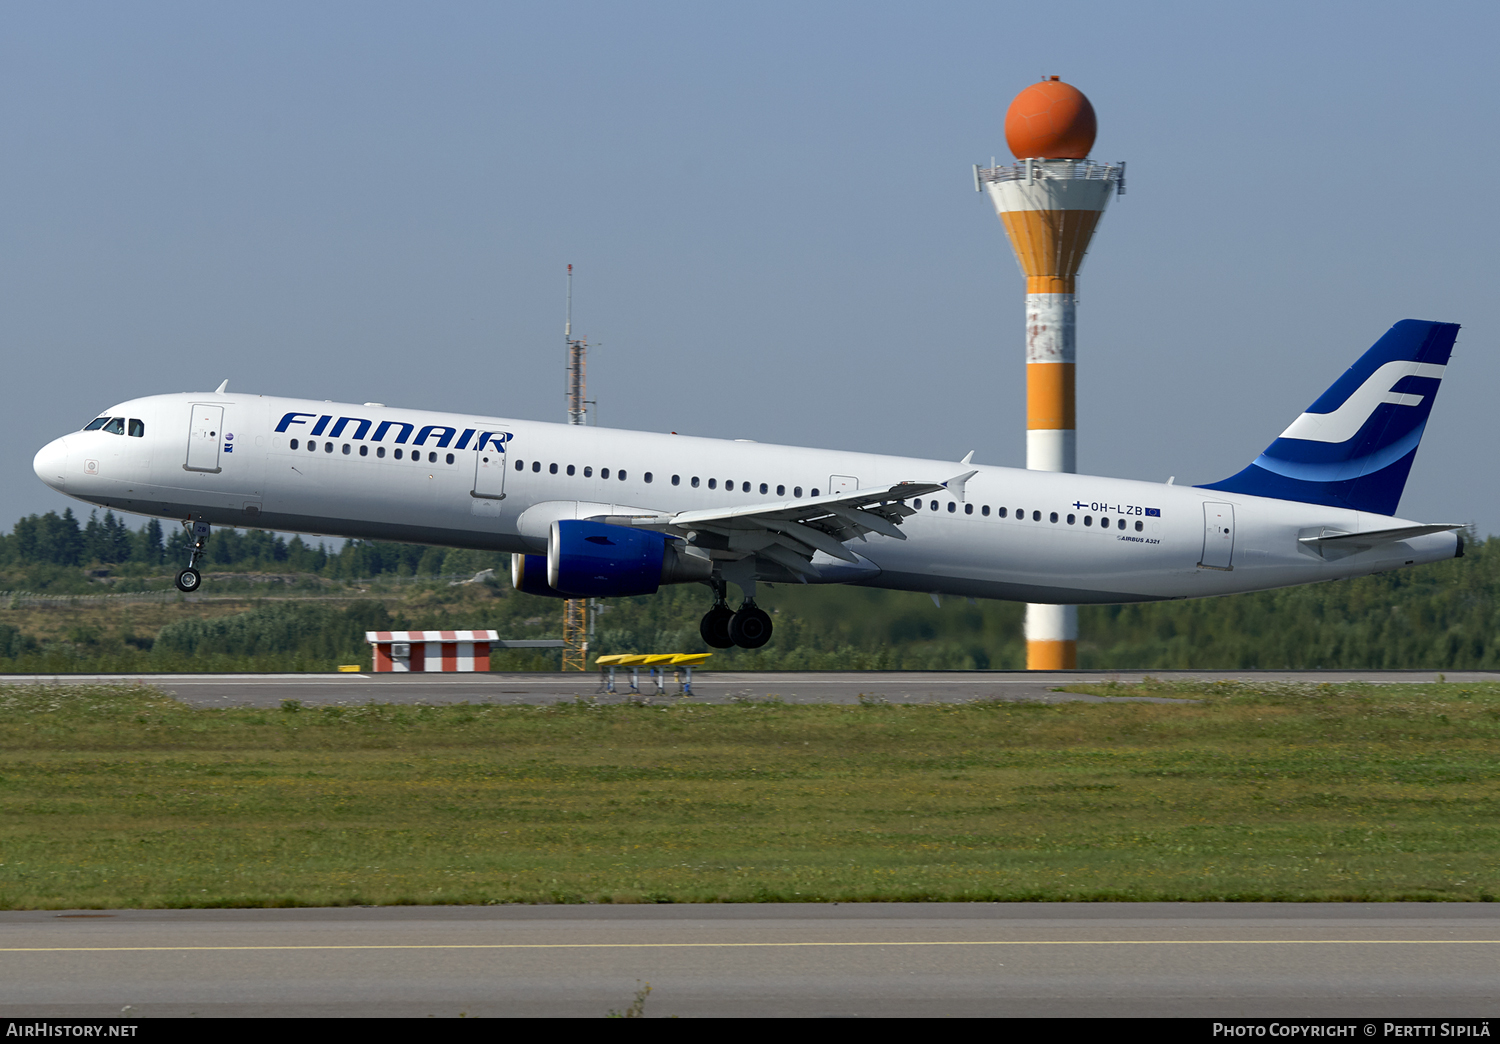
x=190, y=579
x=722, y=627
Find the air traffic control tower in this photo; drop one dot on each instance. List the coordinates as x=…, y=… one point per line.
x=1050, y=201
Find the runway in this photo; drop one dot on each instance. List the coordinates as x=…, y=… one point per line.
x=1208, y=960
x=268, y=690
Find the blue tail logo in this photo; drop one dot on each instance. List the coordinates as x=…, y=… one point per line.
x=1354, y=447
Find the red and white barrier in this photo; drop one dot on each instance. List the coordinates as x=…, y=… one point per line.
x=401, y=651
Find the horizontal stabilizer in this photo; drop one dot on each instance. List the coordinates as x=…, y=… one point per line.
x=1374, y=538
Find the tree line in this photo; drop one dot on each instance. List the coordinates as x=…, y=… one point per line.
x=1440, y=616
x=40, y=547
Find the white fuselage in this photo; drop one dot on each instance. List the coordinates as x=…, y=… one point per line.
x=1026, y=535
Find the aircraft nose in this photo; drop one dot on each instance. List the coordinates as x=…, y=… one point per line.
x=51, y=463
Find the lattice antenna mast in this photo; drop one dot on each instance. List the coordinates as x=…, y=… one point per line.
x=575, y=610
x=577, y=363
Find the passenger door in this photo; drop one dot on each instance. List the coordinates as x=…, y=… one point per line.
x=205, y=429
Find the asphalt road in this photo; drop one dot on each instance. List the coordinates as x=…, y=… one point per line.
x=1209, y=960
x=268, y=690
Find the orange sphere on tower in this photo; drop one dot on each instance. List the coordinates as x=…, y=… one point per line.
x=1050, y=120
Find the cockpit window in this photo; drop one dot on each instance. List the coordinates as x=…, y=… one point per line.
x=137, y=428
x=95, y=425
x=116, y=426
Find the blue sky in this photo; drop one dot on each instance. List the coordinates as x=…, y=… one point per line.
x=771, y=213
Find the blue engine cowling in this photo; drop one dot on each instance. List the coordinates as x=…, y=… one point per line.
x=594, y=559
x=528, y=574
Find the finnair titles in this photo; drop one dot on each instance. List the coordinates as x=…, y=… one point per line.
x=590, y=511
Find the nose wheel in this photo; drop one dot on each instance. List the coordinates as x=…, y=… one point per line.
x=190, y=579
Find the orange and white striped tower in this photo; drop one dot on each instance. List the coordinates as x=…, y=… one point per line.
x=1050, y=202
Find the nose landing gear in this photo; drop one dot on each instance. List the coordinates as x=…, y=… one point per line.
x=190, y=579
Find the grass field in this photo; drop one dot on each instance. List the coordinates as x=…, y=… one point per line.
x=115, y=797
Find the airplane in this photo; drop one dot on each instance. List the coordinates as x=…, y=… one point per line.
x=595, y=512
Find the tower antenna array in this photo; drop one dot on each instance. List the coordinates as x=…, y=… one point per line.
x=575, y=610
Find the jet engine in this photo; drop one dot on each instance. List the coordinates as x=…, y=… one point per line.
x=595, y=559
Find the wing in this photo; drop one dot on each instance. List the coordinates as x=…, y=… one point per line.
x=789, y=533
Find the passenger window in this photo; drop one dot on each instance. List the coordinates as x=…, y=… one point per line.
x=294, y=444
x=536, y=466
x=952, y=507
x=815, y=491
x=796, y=491
x=744, y=487
x=570, y=469
x=1088, y=520
x=1139, y=526
x=781, y=491
x=346, y=449
x=713, y=483
x=1072, y=519
x=621, y=476
x=1054, y=516
x=327, y=447
x=1121, y=525
x=96, y=424
x=364, y=451
x=520, y=464
x=398, y=457
x=985, y=511
x=695, y=482
x=1002, y=512
x=588, y=472
x=1036, y=516
x=432, y=458
x=648, y=478
x=764, y=489
x=676, y=480
x=380, y=451
x=450, y=458
x=968, y=509
x=116, y=426
x=934, y=505
x=604, y=473
x=137, y=428
x=551, y=468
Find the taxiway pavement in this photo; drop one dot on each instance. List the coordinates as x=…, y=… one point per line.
x=1210, y=960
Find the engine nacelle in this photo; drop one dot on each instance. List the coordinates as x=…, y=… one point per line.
x=528, y=574
x=595, y=559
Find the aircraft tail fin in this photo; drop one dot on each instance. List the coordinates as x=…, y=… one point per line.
x=1354, y=446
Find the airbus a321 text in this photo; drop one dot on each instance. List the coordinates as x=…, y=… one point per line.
x=588, y=511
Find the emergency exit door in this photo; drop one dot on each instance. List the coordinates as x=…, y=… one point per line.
x=489, y=479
